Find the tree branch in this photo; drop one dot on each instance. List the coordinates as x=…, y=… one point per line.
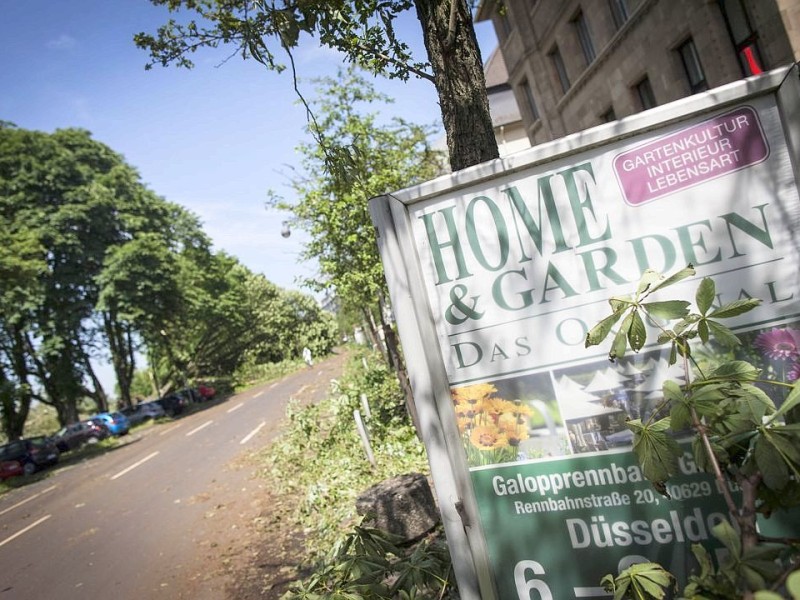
x=316, y=130
x=712, y=458
x=419, y=73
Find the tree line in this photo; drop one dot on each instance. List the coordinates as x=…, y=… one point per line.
x=94, y=266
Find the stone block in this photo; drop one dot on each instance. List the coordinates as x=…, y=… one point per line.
x=402, y=505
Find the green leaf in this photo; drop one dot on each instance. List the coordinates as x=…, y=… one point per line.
x=771, y=464
x=679, y=410
x=723, y=335
x=792, y=400
x=670, y=309
x=703, y=559
x=686, y=323
x=737, y=438
x=650, y=578
x=704, y=297
x=726, y=534
x=640, y=581
x=702, y=330
x=767, y=595
x=637, y=334
x=754, y=579
x=655, y=449
x=608, y=583
x=651, y=588
x=665, y=336
x=620, y=303
x=621, y=591
x=701, y=456
x=621, y=339
x=680, y=415
x=793, y=585
x=753, y=402
x=672, y=391
x=600, y=331
x=648, y=278
x=786, y=440
x=706, y=398
x=675, y=278
x=735, y=308
x=735, y=370
x=762, y=558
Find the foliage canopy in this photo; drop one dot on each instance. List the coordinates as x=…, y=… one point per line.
x=94, y=266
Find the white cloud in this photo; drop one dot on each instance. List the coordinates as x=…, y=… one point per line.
x=62, y=42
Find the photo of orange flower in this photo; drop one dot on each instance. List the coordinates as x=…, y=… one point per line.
x=487, y=437
x=491, y=427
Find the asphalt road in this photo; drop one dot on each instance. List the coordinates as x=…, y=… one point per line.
x=134, y=522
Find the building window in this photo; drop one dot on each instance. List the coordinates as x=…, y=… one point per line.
x=609, y=115
x=619, y=12
x=692, y=66
x=561, y=71
x=527, y=92
x=582, y=28
x=644, y=90
x=744, y=38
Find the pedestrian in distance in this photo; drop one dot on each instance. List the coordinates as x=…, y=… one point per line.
x=307, y=357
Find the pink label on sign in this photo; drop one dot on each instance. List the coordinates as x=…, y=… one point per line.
x=680, y=160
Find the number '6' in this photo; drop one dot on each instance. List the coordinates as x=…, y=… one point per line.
x=524, y=586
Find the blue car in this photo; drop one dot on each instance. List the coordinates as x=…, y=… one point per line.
x=116, y=422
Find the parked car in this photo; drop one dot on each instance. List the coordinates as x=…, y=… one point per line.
x=77, y=434
x=10, y=468
x=141, y=412
x=116, y=422
x=32, y=453
x=133, y=417
x=151, y=410
x=173, y=404
x=206, y=392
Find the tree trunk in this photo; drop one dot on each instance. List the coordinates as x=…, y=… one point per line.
x=16, y=398
x=153, y=367
x=14, y=409
x=119, y=344
x=67, y=412
x=392, y=348
x=373, y=333
x=398, y=364
x=97, y=392
x=56, y=373
x=458, y=73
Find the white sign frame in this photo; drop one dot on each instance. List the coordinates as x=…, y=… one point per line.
x=421, y=342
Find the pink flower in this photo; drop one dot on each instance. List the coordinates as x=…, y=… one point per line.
x=779, y=344
x=794, y=373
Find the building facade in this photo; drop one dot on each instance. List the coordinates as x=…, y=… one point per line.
x=509, y=129
x=574, y=64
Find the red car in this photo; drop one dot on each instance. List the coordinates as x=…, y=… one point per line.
x=10, y=468
x=32, y=453
x=206, y=392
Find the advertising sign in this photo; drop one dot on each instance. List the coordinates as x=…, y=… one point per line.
x=517, y=267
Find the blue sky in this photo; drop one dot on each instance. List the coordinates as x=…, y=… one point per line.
x=214, y=139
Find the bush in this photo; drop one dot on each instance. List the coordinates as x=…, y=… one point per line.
x=252, y=373
x=319, y=459
x=739, y=433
